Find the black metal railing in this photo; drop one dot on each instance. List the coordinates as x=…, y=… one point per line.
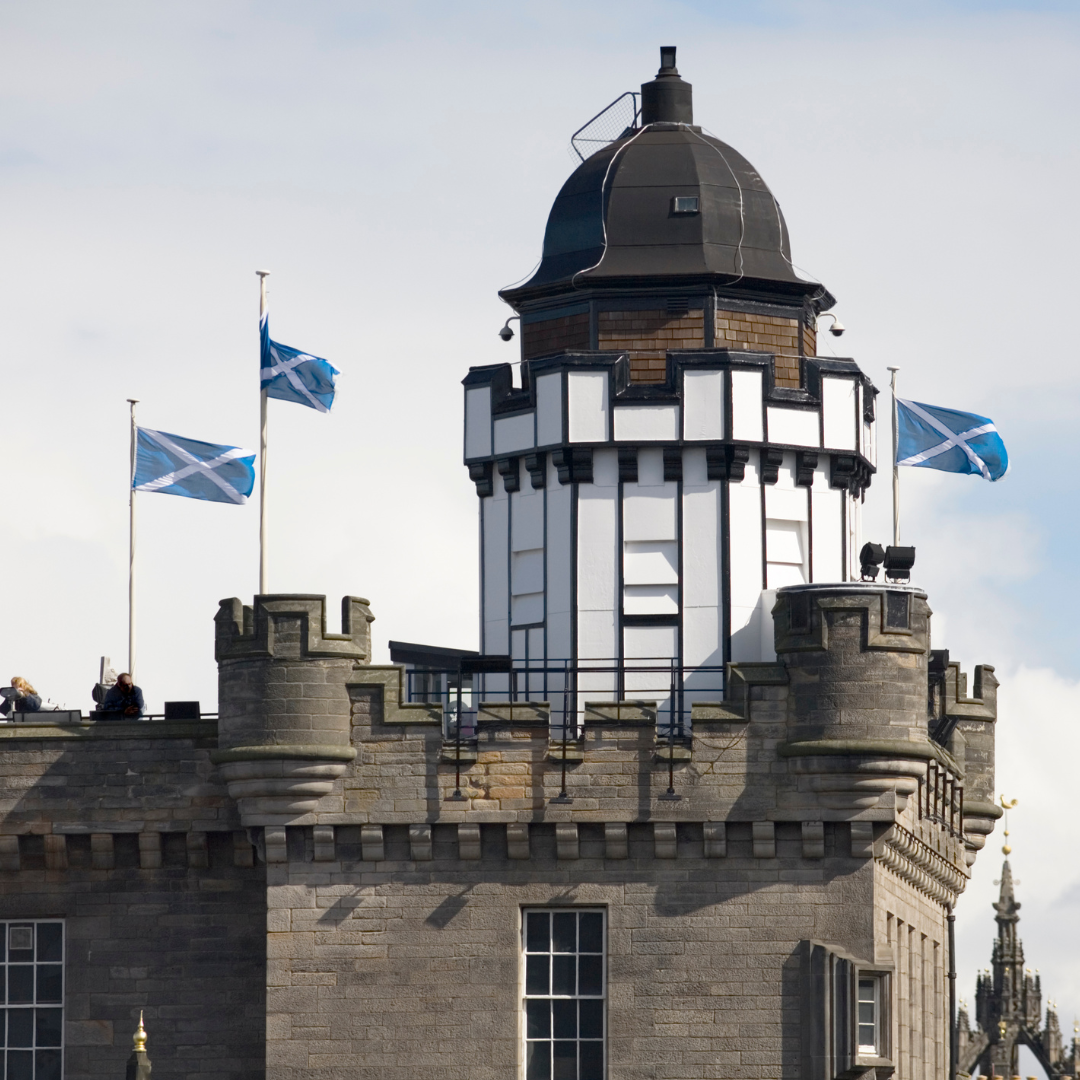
x=568, y=686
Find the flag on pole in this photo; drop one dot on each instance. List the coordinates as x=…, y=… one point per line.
x=931, y=437
x=292, y=375
x=174, y=465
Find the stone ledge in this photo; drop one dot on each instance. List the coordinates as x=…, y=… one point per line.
x=135, y=730
x=303, y=752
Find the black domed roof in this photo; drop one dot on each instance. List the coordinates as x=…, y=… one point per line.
x=738, y=231
x=616, y=219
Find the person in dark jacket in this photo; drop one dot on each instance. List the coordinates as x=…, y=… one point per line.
x=25, y=698
x=125, y=698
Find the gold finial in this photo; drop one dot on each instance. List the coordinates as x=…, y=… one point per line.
x=140, y=1036
x=1007, y=805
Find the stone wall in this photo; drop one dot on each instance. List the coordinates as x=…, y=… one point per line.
x=402, y=968
x=125, y=832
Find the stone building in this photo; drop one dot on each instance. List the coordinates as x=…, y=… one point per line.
x=704, y=808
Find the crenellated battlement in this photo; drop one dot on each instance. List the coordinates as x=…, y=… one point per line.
x=291, y=626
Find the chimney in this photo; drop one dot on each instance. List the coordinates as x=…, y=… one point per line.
x=667, y=98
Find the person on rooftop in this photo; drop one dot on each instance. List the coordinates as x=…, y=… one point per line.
x=24, y=699
x=124, y=698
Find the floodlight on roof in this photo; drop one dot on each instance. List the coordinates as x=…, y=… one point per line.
x=898, y=563
x=870, y=558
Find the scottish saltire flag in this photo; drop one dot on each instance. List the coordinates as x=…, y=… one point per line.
x=292, y=375
x=197, y=470
x=935, y=438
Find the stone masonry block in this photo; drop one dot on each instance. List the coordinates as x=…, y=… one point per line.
x=277, y=850
x=664, y=839
x=764, y=834
x=9, y=853
x=517, y=841
x=371, y=843
x=566, y=840
x=102, y=851
x=323, y=843
x=615, y=841
x=862, y=839
x=420, y=843
x=56, y=852
x=243, y=852
x=198, y=854
x=813, y=839
x=715, y=839
x=150, y=850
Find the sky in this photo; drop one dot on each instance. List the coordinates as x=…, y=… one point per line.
x=393, y=166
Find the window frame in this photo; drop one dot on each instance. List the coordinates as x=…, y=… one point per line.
x=525, y=996
x=882, y=1051
x=40, y=969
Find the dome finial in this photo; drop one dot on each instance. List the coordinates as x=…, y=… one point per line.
x=668, y=98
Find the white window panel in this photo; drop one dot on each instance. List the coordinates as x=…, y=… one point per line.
x=838, y=403
x=791, y=502
x=527, y=572
x=548, y=410
x=786, y=553
x=588, y=405
x=651, y=563
x=785, y=541
x=746, y=406
x=527, y=608
x=650, y=517
x=635, y=423
x=651, y=642
x=514, y=433
x=527, y=518
x=796, y=427
x=703, y=402
x=478, y=422
x=651, y=600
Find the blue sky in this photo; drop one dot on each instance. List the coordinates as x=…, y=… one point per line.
x=393, y=165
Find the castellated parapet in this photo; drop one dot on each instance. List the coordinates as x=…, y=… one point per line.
x=284, y=712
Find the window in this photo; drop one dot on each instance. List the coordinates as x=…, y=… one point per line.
x=564, y=995
x=32, y=958
x=685, y=204
x=869, y=1013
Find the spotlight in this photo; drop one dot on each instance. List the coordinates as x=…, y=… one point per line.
x=898, y=563
x=837, y=327
x=870, y=558
x=506, y=333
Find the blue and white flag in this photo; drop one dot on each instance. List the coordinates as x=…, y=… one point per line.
x=935, y=438
x=292, y=375
x=197, y=470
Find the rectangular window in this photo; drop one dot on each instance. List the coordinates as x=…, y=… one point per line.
x=869, y=1016
x=32, y=1025
x=565, y=992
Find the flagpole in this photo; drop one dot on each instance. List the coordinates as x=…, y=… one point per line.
x=263, y=397
x=132, y=402
x=895, y=467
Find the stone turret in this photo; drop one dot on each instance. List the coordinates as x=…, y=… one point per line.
x=856, y=661
x=284, y=710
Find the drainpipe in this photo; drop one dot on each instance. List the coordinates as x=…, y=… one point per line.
x=954, y=1035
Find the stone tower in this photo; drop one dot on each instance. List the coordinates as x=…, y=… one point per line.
x=1008, y=1007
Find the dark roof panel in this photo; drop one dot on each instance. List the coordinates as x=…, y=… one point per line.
x=630, y=185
